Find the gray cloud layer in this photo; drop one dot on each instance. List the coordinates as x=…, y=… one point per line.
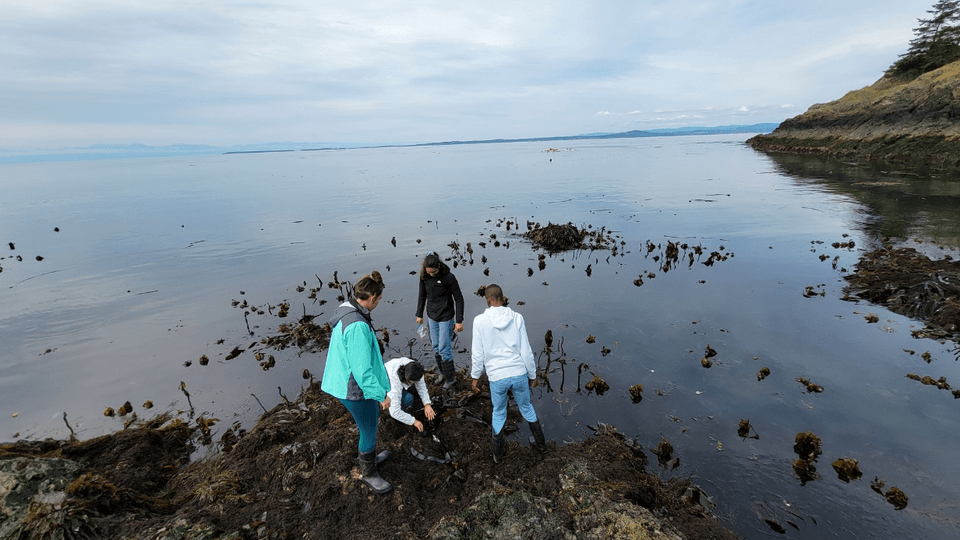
x=221, y=73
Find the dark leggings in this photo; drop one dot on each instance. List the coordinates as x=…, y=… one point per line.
x=365, y=413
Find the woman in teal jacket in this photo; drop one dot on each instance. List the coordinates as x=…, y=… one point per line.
x=355, y=374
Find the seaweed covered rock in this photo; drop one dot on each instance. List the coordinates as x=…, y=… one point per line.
x=555, y=238
x=908, y=282
x=294, y=475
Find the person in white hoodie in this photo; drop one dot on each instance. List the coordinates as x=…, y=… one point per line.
x=501, y=347
x=405, y=375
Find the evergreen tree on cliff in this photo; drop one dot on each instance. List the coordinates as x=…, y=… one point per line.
x=937, y=42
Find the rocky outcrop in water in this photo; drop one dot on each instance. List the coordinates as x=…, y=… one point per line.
x=913, y=123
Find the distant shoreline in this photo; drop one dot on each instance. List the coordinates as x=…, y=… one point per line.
x=136, y=151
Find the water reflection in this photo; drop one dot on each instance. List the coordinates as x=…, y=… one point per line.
x=901, y=205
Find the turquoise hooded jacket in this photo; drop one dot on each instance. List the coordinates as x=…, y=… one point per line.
x=354, y=369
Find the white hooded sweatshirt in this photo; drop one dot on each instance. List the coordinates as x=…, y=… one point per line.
x=501, y=346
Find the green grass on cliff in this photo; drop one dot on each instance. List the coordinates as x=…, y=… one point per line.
x=913, y=124
x=889, y=88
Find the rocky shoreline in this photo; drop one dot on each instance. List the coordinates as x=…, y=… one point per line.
x=912, y=124
x=294, y=475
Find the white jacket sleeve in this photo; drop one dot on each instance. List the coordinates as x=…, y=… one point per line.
x=422, y=390
x=526, y=352
x=476, y=349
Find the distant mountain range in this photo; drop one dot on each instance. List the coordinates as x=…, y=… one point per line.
x=137, y=150
x=671, y=132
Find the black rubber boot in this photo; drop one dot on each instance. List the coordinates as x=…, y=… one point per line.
x=449, y=374
x=441, y=376
x=499, y=446
x=382, y=456
x=369, y=474
x=537, y=440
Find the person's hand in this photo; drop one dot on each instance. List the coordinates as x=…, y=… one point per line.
x=428, y=410
x=534, y=383
x=475, y=382
x=419, y=320
x=458, y=327
x=385, y=404
x=419, y=425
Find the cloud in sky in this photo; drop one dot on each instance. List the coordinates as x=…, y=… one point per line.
x=165, y=72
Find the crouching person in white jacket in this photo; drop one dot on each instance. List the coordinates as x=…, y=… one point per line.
x=501, y=347
x=405, y=375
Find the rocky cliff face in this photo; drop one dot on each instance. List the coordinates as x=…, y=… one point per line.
x=914, y=124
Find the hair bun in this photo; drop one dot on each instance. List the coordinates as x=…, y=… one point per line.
x=376, y=277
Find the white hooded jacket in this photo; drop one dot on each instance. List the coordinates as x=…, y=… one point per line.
x=396, y=390
x=501, y=346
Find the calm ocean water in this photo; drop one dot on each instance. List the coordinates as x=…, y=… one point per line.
x=149, y=255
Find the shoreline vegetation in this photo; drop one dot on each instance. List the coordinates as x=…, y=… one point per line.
x=912, y=124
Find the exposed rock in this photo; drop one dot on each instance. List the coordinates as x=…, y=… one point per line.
x=914, y=124
x=33, y=494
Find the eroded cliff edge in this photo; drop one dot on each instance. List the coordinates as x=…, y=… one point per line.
x=913, y=124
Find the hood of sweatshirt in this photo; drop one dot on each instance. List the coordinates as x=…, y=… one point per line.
x=500, y=316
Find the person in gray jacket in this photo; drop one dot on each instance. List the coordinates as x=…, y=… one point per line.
x=501, y=347
x=354, y=372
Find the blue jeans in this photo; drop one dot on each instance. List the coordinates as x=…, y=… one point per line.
x=521, y=393
x=409, y=401
x=365, y=413
x=441, y=336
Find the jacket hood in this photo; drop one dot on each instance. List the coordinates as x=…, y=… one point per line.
x=500, y=316
x=347, y=308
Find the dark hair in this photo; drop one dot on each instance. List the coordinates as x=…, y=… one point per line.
x=431, y=260
x=411, y=373
x=369, y=286
x=493, y=292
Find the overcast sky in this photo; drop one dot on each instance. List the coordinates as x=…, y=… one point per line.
x=77, y=73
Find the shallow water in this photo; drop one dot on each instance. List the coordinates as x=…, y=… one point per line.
x=150, y=253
